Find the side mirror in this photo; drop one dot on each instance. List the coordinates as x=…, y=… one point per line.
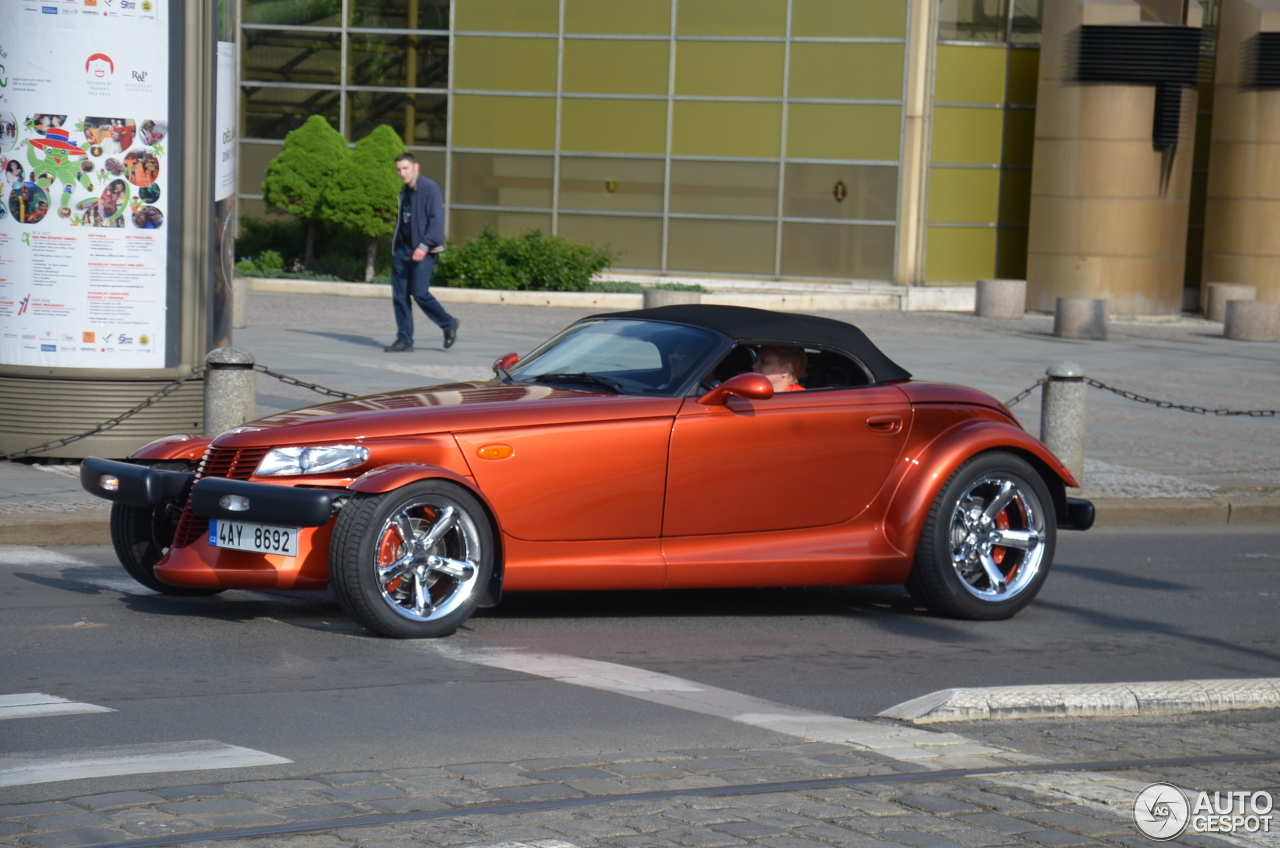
x=751, y=386
x=505, y=362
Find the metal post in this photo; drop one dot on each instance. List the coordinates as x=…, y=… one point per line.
x=1062, y=415
x=230, y=390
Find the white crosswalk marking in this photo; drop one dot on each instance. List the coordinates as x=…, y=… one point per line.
x=33, y=704
x=199, y=755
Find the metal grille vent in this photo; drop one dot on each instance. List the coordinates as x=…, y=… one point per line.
x=217, y=462
x=1266, y=60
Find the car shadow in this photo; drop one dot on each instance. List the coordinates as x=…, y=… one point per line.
x=1116, y=578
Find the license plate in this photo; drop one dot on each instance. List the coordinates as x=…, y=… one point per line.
x=259, y=538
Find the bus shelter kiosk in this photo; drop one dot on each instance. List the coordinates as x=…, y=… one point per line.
x=117, y=143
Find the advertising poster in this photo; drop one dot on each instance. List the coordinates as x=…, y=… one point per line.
x=83, y=135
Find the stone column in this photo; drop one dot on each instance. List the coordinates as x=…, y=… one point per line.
x=1242, y=206
x=1108, y=207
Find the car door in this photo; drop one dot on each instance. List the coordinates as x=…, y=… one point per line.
x=797, y=460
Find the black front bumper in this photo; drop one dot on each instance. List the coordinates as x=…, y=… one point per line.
x=135, y=485
x=1080, y=515
x=263, y=503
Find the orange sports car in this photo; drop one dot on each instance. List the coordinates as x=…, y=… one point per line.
x=678, y=447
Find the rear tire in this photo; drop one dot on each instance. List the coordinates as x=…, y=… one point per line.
x=961, y=568
x=412, y=563
x=143, y=536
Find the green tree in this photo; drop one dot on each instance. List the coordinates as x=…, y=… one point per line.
x=364, y=196
x=297, y=178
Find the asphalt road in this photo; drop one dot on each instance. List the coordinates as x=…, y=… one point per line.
x=287, y=674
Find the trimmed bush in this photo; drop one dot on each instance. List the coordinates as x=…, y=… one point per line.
x=528, y=262
x=620, y=287
x=297, y=178
x=693, y=287
x=269, y=261
x=364, y=196
x=245, y=268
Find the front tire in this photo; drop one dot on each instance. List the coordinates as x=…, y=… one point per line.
x=411, y=563
x=142, y=537
x=988, y=542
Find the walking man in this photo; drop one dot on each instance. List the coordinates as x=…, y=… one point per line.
x=419, y=236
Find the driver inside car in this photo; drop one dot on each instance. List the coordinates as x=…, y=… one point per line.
x=782, y=366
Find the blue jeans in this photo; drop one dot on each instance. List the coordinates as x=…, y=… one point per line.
x=411, y=281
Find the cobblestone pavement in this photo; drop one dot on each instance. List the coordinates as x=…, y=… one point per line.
x=565, y=803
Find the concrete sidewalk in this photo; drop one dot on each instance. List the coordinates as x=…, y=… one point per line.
x=1145, y=466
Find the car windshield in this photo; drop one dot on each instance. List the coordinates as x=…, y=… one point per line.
x=626, y=357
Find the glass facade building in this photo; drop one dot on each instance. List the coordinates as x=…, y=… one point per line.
x=760, y=138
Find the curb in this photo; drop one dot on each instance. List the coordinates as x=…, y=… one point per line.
x=1114, y=699
x=1150, y=512
x=881, y=299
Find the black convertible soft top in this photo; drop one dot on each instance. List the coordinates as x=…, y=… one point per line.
x=760, y=326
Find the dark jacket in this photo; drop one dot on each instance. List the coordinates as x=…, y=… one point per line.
x=427, y=211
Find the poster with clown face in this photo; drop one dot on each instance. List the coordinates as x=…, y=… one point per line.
x=84, y=192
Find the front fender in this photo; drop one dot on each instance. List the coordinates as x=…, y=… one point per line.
x=190, y=447
x=932, y=465
x=390, y=477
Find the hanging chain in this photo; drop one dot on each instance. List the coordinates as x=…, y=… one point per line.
x=294, y=381
x=1022, y=395
x=110, y=422
x=1165, y=404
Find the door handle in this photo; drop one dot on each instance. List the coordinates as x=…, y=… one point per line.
x=888, y=424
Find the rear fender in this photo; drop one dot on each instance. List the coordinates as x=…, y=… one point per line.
x=391, y=477
x=188, y=447
x=934, y=463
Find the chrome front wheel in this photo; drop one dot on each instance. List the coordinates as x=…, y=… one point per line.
x=988, y=543
x=428, y=558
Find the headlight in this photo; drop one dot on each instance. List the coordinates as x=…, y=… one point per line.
x=285, y=461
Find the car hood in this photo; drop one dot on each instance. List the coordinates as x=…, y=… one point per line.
x=456, y=407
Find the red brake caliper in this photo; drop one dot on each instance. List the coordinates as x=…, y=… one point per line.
x=389, y=552
x=1002, y=523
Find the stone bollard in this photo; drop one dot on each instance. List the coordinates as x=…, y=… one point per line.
x=1081, y=318
x=1252, y=321
x=230, y=390
x=669, y=297
x=239, y=303
x=1062, y=415
x=1215, y=300
x=1001, y=299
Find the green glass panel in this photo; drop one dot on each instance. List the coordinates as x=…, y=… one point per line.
x=251, y=165
x=507, y=15
x=291, y=56
x=431, y=164
x=466, y=224
x=729, y=69
x=732, y=17
x=840, y=251
x=502, y=179
x=417, y=118
x=294, y=12
x=635, y=242
x=414, y=61
x=1025, y=27
x=612, y=184
x=603, y=66
x=513, y=123
x=721, y=247
x=970, y=74
x=1024, y=76
x=861, y=192
x=849, y=18
x=504, y=64
x=847, y=71
x=827, y=131
x=267, y=112
x=618, y=17
x=724, y=188
x=1019, y=136
x=1015, y=195
x=727, y=129
x=967, y=136
x=960, y=254
x=964, y=195
x=972, y=20
x=400, y=14
x=613, y=126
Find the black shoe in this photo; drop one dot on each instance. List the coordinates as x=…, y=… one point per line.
x=451, y=334
x=399, y=346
